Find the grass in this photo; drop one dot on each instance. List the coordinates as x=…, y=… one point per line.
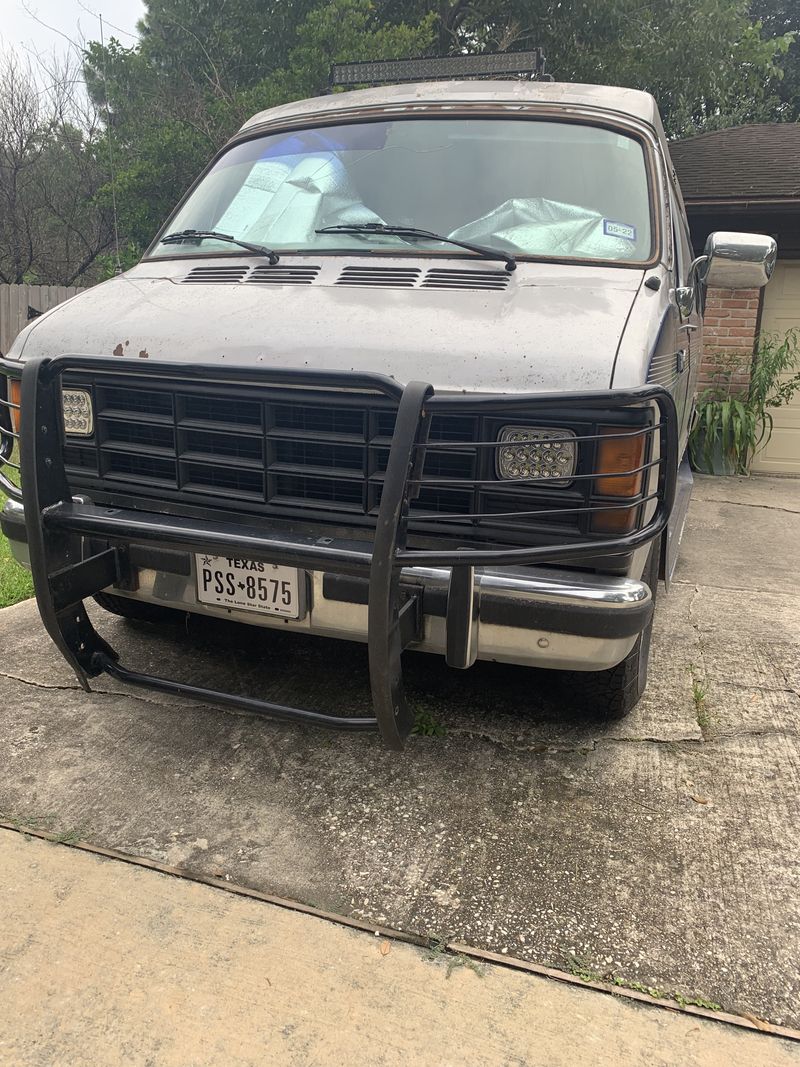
x=699, y=694
x=48, y=823
x=15, y=581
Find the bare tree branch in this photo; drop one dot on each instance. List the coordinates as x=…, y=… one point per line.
x=51, y=226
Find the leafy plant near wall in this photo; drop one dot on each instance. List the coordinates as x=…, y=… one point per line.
x=734, y=422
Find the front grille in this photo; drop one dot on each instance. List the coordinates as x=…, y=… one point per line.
x=309, y=453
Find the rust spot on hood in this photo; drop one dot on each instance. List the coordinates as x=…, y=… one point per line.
x=144, y=354
x=119, y=350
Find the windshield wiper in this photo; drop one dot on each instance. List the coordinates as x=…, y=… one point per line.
x=411, y=231
x=195, y=235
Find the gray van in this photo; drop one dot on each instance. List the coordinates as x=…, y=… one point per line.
x=412, y=365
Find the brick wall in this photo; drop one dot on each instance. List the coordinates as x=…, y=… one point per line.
x=730, y=326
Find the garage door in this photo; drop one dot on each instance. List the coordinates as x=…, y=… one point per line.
x=782, y=313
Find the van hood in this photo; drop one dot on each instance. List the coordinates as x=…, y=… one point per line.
x=552, y=327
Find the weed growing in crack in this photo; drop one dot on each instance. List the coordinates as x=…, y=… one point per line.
x=579, y=967
x=27, y=824
x=638, y=987
x=697, y=1002
x=699, y=695
x=438, y=952
x=425, y=725
x=69, y=837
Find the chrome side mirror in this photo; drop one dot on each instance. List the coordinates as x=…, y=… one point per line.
x=737, y=260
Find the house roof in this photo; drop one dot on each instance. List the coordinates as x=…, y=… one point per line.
x=743, y=164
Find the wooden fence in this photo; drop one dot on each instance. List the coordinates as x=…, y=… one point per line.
x=21, y=303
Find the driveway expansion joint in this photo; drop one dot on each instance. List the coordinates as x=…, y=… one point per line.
x=448, y=948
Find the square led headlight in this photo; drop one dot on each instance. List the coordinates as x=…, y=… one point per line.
x=78, y=413
x=537, y=452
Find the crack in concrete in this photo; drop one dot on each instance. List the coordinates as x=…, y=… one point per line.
x=538, y=746
x=747, y=504
x=752, y=591
x=758, y=687
x=132, y=694
x=552, y=748
x=40, y=685
x=789, y=688
x=649, y=740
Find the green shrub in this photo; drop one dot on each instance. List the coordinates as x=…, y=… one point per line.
x=736, y=421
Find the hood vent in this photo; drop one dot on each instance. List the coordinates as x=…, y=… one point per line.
x=436, y=278
x=389, y=277
x=466, y=279
x=230, y=275
x=284, y=275
x=287, y=273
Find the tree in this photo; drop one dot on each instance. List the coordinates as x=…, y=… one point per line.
x=51, y=229
x=779, y=17
x=704, y=60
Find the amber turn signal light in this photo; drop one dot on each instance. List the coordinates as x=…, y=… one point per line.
x=14, y=396
x=618, y=458
x=620, y=454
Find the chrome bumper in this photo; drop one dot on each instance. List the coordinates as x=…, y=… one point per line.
x=532, y=616
x=12, y=524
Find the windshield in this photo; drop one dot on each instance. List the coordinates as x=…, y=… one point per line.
x=532, y=187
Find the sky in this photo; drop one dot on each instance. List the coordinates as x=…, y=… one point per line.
x=73, y=19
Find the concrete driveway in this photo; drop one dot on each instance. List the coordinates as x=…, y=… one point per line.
x=662, y=851
x=103, y=963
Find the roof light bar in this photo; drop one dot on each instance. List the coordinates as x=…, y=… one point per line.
x=529, y=65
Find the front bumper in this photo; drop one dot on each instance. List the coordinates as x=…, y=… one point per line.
x=531, y=616
x=467, y=602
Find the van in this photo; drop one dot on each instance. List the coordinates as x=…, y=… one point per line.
x=411, y=364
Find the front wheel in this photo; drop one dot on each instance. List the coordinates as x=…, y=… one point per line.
x=615, y=692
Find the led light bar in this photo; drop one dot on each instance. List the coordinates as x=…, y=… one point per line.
x=78, y=413
x=537, y=452
x=440, y=68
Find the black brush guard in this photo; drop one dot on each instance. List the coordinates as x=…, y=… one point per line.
x=59, y=527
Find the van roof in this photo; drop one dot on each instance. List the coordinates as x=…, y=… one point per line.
x=632, y=103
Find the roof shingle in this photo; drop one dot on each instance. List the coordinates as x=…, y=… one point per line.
x=756, y=162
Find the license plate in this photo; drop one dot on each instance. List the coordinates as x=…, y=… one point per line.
x=249, y=585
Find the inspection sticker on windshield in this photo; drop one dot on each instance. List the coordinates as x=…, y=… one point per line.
x=249, y=585
x=619, y=229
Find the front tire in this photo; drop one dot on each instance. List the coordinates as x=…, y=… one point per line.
x=614, y=693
